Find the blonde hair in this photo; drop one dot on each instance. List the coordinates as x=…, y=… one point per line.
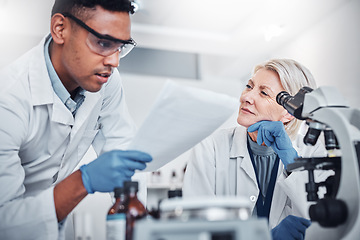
x=293, y=76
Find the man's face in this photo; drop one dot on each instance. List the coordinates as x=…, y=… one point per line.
x=258, y=100
x=80, y=65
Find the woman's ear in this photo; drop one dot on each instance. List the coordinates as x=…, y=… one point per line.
x=57, y=28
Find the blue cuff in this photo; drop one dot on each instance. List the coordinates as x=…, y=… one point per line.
x=86, y=179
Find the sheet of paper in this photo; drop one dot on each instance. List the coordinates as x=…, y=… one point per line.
x=179, y=119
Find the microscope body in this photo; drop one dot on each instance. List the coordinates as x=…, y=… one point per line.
x=326, y=109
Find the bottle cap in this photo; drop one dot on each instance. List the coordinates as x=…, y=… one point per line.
x=118, y=191
x=131, y=184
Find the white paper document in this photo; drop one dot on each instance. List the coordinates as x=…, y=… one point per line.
x=179, y=119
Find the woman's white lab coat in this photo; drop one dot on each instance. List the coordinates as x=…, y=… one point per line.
x=41, y=142
x=220, y=165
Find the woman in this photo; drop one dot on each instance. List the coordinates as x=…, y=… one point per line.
x=250, y=160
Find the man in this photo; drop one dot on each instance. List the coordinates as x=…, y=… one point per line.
x=55, y=101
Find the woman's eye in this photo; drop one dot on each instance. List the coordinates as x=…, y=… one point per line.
x=248, y=86
x=264, y=93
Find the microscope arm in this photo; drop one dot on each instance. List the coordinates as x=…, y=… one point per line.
x=326, y=109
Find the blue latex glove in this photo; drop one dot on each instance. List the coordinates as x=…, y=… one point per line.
x=273, y=134
x=111, y=169
x=291, y=227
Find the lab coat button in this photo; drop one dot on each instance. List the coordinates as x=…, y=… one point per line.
x=253, y=198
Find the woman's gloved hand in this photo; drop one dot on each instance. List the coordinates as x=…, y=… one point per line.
x=291, y=227
x=111, y=169
x=273, y=134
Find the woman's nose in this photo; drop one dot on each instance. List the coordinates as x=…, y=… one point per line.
x=247, y=96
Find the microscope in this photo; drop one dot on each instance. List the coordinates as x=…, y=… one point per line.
x=325, y=111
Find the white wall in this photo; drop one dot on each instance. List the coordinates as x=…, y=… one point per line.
x=331, y=50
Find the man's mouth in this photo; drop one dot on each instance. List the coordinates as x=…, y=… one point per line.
x=105, y=75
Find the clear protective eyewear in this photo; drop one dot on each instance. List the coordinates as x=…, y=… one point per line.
x=104, y=45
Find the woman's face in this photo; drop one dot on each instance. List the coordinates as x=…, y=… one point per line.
x=258, y=100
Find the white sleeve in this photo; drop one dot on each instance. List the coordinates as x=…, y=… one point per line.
x=199, y=178
x=29, y=217
x=24, y=214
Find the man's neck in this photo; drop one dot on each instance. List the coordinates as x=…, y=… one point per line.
x=54, y=57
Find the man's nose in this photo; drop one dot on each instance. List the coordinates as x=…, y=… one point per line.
x=112, y=60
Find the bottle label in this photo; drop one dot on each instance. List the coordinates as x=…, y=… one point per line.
x=116, y=226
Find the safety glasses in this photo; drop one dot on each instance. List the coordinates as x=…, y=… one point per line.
x=104, y=45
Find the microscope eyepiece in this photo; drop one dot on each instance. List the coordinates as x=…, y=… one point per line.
x=293, y=104
x=282, y=97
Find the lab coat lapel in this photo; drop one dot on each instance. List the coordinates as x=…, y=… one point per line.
x=44, y=99
x=83, y=113
x=88, y=111
x=82, y=118
x=279, y=200
x=60, y=113
x=239, y=150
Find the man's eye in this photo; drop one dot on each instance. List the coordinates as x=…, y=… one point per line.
x=248, y=86
x=264, y=93
x=105, y=44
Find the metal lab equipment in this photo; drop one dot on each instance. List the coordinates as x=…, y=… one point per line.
x=325, y=110
x=207, y=218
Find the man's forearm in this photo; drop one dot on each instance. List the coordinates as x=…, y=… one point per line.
x=68, y=193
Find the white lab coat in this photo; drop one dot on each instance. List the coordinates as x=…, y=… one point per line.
x=221, y=165
x=41, y=142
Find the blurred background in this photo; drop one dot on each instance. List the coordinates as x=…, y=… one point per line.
x=206, y=44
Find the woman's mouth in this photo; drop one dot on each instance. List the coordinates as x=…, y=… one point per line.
x=247, y=111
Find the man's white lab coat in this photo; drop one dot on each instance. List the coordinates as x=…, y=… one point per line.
x=41, y=142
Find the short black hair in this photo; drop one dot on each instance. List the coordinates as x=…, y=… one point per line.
x=74, y=6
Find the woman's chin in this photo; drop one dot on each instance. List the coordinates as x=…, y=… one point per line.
x=244, y=124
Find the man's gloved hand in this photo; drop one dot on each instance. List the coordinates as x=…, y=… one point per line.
x=273, y=134
x=111, y=169
x=291, y=227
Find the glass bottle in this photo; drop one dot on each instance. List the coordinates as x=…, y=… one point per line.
x=116, y=217
x=136, y=209
x=173, y=180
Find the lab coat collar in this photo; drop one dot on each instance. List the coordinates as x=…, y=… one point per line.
x=86, y=108
x=41, y=89
x=239, y=150
x=42, y=92
x=238, y=147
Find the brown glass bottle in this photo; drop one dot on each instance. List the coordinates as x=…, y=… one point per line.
x=116, y=218
x=136, y=209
